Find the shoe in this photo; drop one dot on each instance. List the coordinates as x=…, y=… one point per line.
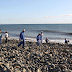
x=18, y=46
x=23, y=47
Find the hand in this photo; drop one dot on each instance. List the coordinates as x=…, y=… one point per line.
x=19, y=39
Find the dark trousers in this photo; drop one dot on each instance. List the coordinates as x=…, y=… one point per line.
x=22, y=42
x=6, y=40
x=38, y=42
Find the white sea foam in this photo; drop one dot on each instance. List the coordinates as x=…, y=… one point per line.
x=54, y=32
x=50, y=40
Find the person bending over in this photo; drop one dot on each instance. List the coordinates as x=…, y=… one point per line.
x=46, y=40
x=66, y=41
x=38, y=39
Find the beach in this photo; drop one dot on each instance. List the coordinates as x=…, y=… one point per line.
x=35, y=35
x=50, y=57
x=54, y=32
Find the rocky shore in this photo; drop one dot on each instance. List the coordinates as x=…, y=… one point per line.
x=51, y=57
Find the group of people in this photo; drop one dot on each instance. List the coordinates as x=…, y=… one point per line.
x=22, y=38
x=39, y=38
x=6, y=36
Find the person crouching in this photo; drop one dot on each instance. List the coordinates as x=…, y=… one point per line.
x=66, y=41
x=46, y=40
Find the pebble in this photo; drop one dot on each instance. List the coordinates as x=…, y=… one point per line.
x=44, y=58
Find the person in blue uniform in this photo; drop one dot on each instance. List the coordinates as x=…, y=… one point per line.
x=22, y=39
x=38, y=39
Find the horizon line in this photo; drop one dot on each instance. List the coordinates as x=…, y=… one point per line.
x=41, y=23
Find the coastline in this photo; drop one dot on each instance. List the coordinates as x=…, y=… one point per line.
x=61, y=41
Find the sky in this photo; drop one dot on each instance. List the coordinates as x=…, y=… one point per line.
x=35, y=11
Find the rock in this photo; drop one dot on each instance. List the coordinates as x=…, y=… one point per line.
x=39, y=70
x=51, y=57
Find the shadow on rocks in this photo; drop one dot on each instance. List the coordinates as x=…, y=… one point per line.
x=3, y=68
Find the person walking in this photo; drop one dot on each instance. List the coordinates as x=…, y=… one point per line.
x=22, y=38
x=0, y=36
x=6, y=36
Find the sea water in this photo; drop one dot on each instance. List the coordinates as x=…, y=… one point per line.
x=54, y=32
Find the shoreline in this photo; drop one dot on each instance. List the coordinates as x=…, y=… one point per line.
x=61, y=41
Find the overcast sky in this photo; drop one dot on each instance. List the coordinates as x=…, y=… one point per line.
x=35, y=11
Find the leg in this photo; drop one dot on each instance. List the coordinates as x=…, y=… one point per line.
x=41, y=40
x=20, y=43
x=23, y=43
x=6, y=40
x=38, y=42
x=0, y=40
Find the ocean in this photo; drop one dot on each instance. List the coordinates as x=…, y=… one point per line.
x=54, y=32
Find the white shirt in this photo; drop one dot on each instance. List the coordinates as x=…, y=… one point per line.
x=42, y=34
x=6, y=35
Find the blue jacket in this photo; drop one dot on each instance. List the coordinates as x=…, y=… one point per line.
x=65, y=41
x=22, y=36
x=0, y=35
x=38, y=38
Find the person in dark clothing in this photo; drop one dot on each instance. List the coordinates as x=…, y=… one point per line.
x=38, y=39
x=22, y=39
x=46, y=40
x=66, y=41
x=6, y=36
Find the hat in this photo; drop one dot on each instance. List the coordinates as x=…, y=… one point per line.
x=24, y=30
